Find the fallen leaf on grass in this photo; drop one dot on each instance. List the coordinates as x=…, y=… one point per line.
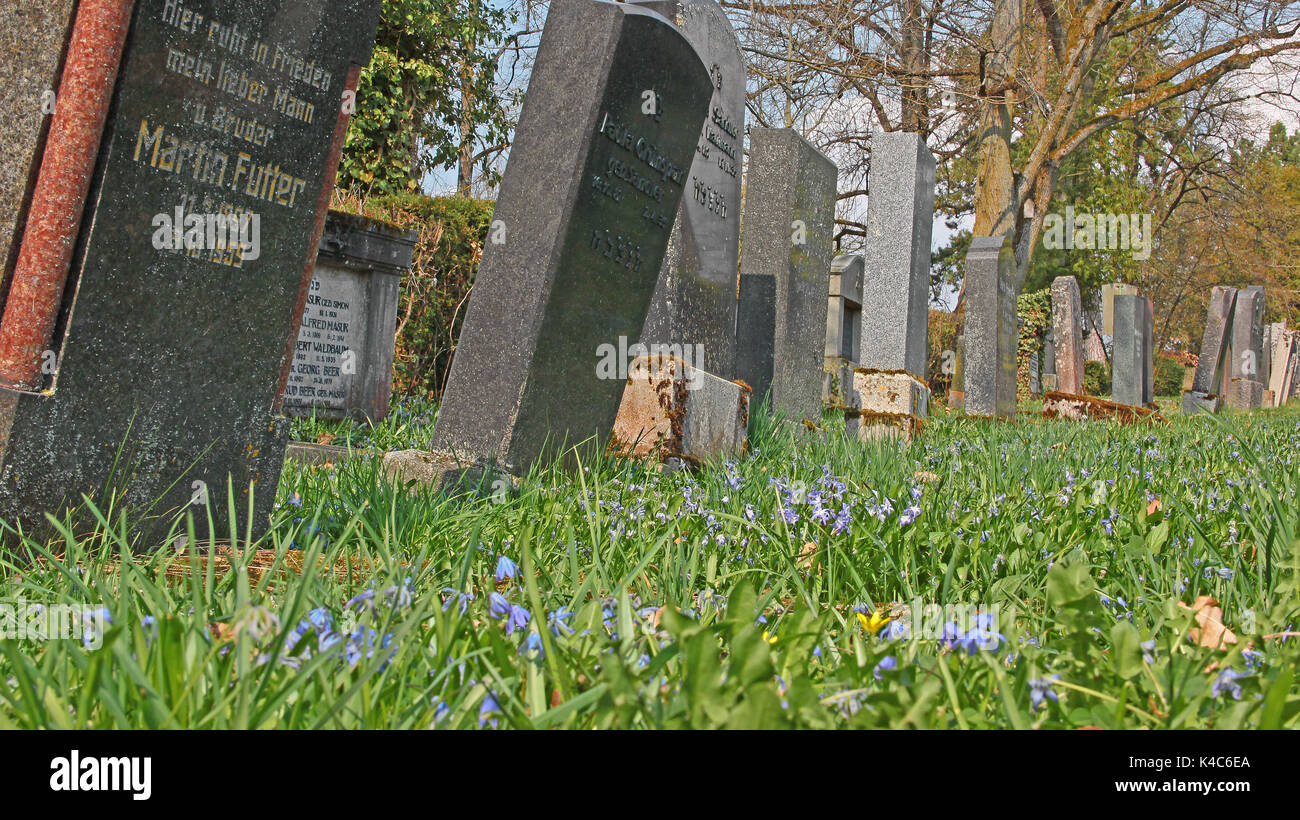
x=1210, y=630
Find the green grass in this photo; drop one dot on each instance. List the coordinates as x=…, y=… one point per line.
x=665, y=600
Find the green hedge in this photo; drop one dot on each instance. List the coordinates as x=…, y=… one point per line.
x=1096, y=379
x=1169, y=377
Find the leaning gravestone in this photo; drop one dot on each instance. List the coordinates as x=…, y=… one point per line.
x=170, y=360
x=343, y=363
x=1212, y=365
x=1131, y=371
x=990, y=337
x=789, y=216
x=1067, y=335
x=695, y=298
x=1245, y=388
x=595, y=177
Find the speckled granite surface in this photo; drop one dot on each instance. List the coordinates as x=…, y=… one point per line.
x=31, y=48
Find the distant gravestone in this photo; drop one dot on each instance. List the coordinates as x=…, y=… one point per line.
x=896, y=283
x=1212, y=366
x=1108, y=294
x=1282, y=343
x=990, y=337
x=32, y=42
x=694, y=301
x=1245, y=389
x=595, y=177
x=1131, y=368
x=1067, y=334
x=343, y=363
x=1049, y=380
x=168, y=368
x=843, y=328
x=789, y=216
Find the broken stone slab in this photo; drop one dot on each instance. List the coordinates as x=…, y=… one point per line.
x=675, y=410
x=1072, y=407
x=305, y=452
x=415, y=469
x=1195, y=401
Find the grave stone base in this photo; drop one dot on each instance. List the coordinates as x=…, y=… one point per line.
x=1195, y=401
x=1087, y=408
x=874, y=426
x=1245, y=394
x=305, y=452
x=674, y=410
x=885, y=403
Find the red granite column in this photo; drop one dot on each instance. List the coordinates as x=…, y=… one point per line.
x=59, y=198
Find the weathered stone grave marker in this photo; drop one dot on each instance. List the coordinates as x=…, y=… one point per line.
x=343, y=362
x=589, y=197
x=990, y=337
x=1067, y=335
x=1131, y=369
x=788, y=221
x=1245, y=387
x=1212, y=364
x=843, y=328
x=156, y=370
x=889, y=389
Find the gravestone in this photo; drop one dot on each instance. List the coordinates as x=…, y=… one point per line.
x=990, y=337
x=1067, y=333
x=171, y=358
x=32, y=41
x=843, y=328
x=1211, y=367
x=694, y=301
x=1049, y=380
x=1283, y=345
x=896, y=285
x=1131, y=360
x=755, y=337
x=589, y=197
x=1108, y=294
x=343, y=363
x=677, y=411
x=1245, y=390
x=789, y=217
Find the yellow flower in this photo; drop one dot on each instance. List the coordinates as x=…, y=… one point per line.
x=769, y=638
x=876, y=622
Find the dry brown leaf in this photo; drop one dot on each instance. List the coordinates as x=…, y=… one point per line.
x=1154, y=506
x=925, y=476
x=808, y=556
x=1210, y=630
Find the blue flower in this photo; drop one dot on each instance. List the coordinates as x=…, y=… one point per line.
x=886, y=664
x=1041, y=689
x=558, y=621
x=505, y=569
x=498, y=606
x=1227, y=682
x=533, y=643
x=489, y=708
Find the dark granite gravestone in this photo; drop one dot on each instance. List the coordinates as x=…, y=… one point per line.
x=1067, y=335
x=1048, y=378
x=171, y=356
x=1245, y=389
x=343, y=363
x=32, y=41
x=990, y=336
x=695, y=298
x=1211, y=367
x=1131, y=368
x=896, y=279
x=600, y=162
x=789, y=218
x=756, y=348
